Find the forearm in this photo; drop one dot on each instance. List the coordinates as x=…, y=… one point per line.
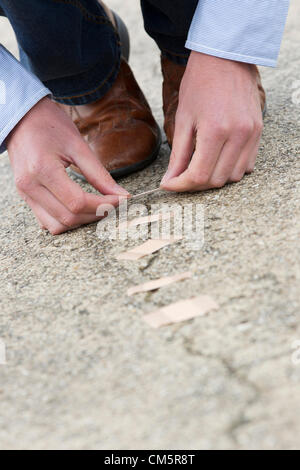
x=245, y=30
x=19, y=92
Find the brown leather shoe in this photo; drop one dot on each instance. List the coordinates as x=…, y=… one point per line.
x=120, y=127
x=173, y=74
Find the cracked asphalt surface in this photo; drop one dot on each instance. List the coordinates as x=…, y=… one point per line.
x=85, y=372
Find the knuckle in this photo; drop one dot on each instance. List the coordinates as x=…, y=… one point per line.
x=220, y=130
x=237, y=177
x=77, y=205
x=36, y=168
x=69, y=220
x=218, y=181
x=245, y=129
x=259, y=127
x=24, y=182
x=105, y=177
x=199, y=179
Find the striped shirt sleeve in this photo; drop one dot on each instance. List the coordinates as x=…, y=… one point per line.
x=19, y=92
x=243, y=30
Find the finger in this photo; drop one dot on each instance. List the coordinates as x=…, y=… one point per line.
x=246, y=162
x=182, y=150
x=70, y=193
x=196, y=177
x=59, y=212
x=251, y=163
x=96, y=174
x=230, y=155
x=46, y=221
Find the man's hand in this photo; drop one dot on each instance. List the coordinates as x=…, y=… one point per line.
x=218, y=125
x=41, y=147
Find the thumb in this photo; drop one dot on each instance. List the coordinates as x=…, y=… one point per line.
x=97, y=175
x=182, y=150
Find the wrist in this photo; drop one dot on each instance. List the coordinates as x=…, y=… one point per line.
x=210, y=67
x=26, y=119
x=219, y=62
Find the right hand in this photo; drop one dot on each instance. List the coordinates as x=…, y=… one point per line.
x=218, y=125
x=41, y=147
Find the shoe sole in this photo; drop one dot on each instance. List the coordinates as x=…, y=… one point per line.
x=127, y=170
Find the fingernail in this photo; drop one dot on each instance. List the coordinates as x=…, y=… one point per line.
x=121, y=191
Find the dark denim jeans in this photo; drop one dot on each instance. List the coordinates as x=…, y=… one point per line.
x=73, y=48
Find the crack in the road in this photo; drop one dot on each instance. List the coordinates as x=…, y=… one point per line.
x=240, y=420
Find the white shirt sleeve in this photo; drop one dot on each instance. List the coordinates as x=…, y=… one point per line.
x=20, y=90
x=243, y=30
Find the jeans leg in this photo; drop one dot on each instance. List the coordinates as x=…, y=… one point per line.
x=168, y=23
x=70, y=45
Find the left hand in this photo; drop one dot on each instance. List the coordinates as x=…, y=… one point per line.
x=218, y=125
